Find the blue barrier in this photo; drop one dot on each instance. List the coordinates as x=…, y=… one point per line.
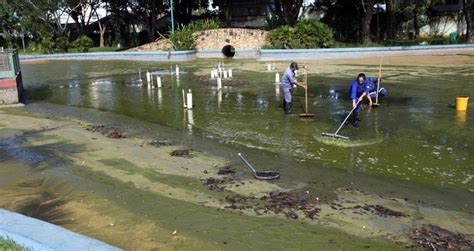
x=40, y=235
x=262, y=54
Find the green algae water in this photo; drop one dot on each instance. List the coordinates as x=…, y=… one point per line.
x=414, y=147
x=416, y=135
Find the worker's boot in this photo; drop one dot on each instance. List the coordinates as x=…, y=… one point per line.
x=355, y=119
x=288, y=108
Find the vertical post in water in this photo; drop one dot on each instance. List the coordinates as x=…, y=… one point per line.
x=230, y=73
x=225, y=75
x=184, y=99
x=219, y=83
x=177, y=71
x=189, y=101
x=269, y=67
x=158, y=82
x=277, y=77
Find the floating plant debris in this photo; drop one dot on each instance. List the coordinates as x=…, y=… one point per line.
x=215, y=184
x=226, y=170
x=383, y=211
x=161, y=142
x=434, y=237
x=180, y=153
x=293, y=205
x=109, y=132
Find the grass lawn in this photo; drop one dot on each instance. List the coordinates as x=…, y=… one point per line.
x=7, y=244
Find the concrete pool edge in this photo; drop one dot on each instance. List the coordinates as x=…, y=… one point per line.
x=259, y=54
x=35, y=234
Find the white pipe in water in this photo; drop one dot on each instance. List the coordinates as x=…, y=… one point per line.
x=140, y=74
x=148, y=76
x=277, y=77
x=225, y=74
x=184, y=99
x=230, y=73
x=177, y=71
x=189, y=101
x=219, y=98
x=190, y=117
x=160, y=97
x=212, y=74
x=219, y=83
x=269, y=67
x=158, y=82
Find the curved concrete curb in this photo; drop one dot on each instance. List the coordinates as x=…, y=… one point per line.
x=39, y=235
x=261, y=54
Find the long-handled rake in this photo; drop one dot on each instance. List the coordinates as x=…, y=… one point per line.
x=306, y=114
x=336, y=134
x=376, y=104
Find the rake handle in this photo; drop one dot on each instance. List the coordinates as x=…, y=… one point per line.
x=347, y=117
x=247, y=163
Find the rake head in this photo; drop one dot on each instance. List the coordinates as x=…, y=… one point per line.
x=306, y=115
x=335, y=136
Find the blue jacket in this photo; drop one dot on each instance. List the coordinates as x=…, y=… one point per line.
x=356, y=90
x=288, y=79
x=372, y=82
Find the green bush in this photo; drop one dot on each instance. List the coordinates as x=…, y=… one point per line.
x=47, y=44
x=82, y=43
x=62, y=43
x=305, y=34
x=184, y=37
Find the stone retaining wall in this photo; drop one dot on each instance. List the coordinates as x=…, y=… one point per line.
x=239, y=38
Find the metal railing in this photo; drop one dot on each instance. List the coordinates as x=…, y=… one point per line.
x=9, y=63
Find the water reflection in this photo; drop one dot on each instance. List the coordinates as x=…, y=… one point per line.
x=461, y=118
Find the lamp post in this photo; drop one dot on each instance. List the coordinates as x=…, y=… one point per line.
x=172, y=16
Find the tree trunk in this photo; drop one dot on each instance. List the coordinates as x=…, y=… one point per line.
x=468, y=14
x=368, y=6
x=102, y=30
x=228, y=13
x=390, y=20
x=416, y=22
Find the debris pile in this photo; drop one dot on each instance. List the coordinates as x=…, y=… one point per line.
x=226, y=170
x=181, y=153
x=293, y=205
x=108, y=131
x=374, y=209
x=215, y=184
x=434, y=238
x=161, y=142
x=383, y=211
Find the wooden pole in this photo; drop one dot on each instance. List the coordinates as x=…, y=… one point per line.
x=378, y=82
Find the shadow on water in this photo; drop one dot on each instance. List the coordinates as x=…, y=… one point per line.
x=46, y=206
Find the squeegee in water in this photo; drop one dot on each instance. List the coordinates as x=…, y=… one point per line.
x=336, y=134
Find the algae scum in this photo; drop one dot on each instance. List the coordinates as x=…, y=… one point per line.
x=408, y=165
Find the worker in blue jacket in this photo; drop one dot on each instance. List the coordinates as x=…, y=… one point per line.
x=373, y=83
x=288, y=83
x=358, y=90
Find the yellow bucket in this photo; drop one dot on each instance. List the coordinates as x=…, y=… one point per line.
x=461, y=103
